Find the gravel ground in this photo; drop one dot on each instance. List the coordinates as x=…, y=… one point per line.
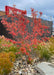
x=22, y=68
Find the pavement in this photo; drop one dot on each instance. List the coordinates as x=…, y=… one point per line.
x=47, y=68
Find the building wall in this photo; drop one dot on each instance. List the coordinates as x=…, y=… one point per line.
x=46, y=23
x=5, y=33
x=49, y=24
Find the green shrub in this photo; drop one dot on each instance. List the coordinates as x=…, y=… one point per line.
x=51, y=45
x=6, y=45
x=42, y=51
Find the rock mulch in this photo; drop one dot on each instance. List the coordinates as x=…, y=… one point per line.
x=21, y=67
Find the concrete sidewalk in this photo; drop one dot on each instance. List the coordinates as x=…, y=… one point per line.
x=47, y=68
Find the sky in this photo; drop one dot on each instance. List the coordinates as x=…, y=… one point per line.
x=45, y=6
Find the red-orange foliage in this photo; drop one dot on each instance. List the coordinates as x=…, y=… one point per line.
x=19, y=27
